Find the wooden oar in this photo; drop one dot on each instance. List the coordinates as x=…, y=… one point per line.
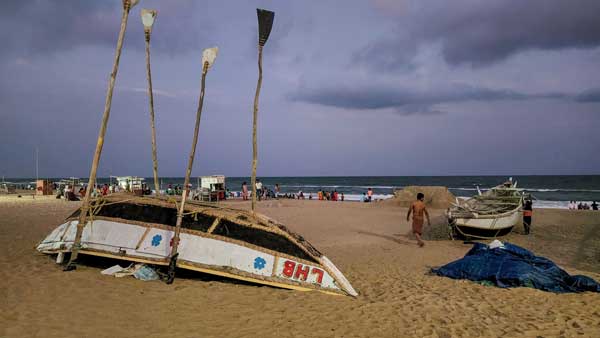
x=148, y=17
x=265, y=23
x=85, y=207
x=208, y=58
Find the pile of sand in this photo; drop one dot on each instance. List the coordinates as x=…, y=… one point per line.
x=436, y=197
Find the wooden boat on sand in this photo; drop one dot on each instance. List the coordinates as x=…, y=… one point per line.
x=491, y=214
x=214, y=239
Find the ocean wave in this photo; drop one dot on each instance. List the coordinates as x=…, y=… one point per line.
x=339, y=186
x=532, y=189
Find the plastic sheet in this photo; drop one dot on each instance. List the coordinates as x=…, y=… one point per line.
x=513, y=266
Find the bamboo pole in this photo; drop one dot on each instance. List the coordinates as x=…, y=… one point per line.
x=208, y=58
x=127, y=5
x=254, y=124
x=148, y=17
x=265, y=23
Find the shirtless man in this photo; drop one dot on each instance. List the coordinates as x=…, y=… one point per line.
x=418, y=209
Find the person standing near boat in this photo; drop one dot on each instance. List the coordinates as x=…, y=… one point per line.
x=417, y=209
x=527, y=214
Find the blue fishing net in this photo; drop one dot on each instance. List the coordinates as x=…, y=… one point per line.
x=512, y=266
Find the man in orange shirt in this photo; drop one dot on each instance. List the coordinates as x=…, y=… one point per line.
x=417, y=209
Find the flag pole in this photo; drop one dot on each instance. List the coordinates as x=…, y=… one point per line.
x=265, y=23
x=148, y=17
x=127, y=5
x=208, y=58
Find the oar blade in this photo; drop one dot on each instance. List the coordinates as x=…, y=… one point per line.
x=265, y=23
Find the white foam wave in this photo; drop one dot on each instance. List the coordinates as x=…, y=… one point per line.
x=341, y=186
x=531, y=189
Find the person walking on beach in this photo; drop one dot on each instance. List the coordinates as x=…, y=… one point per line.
x=594, y=206
x=259, y=191
x=417, y=209
x=244, y=191
x=527, y=214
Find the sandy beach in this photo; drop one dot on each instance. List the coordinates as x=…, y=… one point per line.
x=368, y=242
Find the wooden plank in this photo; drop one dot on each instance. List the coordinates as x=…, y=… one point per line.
x=125, y=258
x=142, y=238
x=214, y=225
x=252, y=280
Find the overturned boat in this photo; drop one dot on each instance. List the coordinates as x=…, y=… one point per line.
x=491, y=214
x=214, y=239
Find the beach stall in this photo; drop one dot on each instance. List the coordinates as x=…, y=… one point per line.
x=43, y=187
x=8, y=188
x=212, y=188
x=132, y=184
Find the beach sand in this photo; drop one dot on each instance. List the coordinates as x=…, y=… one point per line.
x=368, y=242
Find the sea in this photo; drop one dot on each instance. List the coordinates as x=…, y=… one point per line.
x=551, y=191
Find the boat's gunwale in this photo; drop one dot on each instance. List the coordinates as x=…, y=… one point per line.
x=206, y=235
x=228, y=272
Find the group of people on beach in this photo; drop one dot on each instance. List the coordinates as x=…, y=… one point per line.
x=334, y=196
x=263, y=192
x=582, y=206
x=69, y=192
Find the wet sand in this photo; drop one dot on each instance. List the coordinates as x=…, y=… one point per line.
x=368, y=242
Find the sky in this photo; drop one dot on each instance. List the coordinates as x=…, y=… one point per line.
x=350, y=88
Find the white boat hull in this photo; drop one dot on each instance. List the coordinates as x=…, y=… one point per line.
x=202, y=253
x=501, y=222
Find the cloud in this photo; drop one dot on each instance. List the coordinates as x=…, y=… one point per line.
x=155, y=92
x=592, y=95
x=32, y=28
x=409, y=101
x=406, y=101
x=480, y=33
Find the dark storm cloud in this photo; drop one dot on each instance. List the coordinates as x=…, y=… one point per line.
x=481, y=32
x=31, y=28
x=409, y=101
x=406, y=101
x=592, y=95
x=56, y=56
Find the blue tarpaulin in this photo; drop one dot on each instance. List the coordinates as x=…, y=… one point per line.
x=512, y=266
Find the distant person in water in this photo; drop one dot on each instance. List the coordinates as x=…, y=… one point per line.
x=342, y=197
x=370, y=194
x=277, y=190
x=527, y=214
x=417, y=209
x=594, y=206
